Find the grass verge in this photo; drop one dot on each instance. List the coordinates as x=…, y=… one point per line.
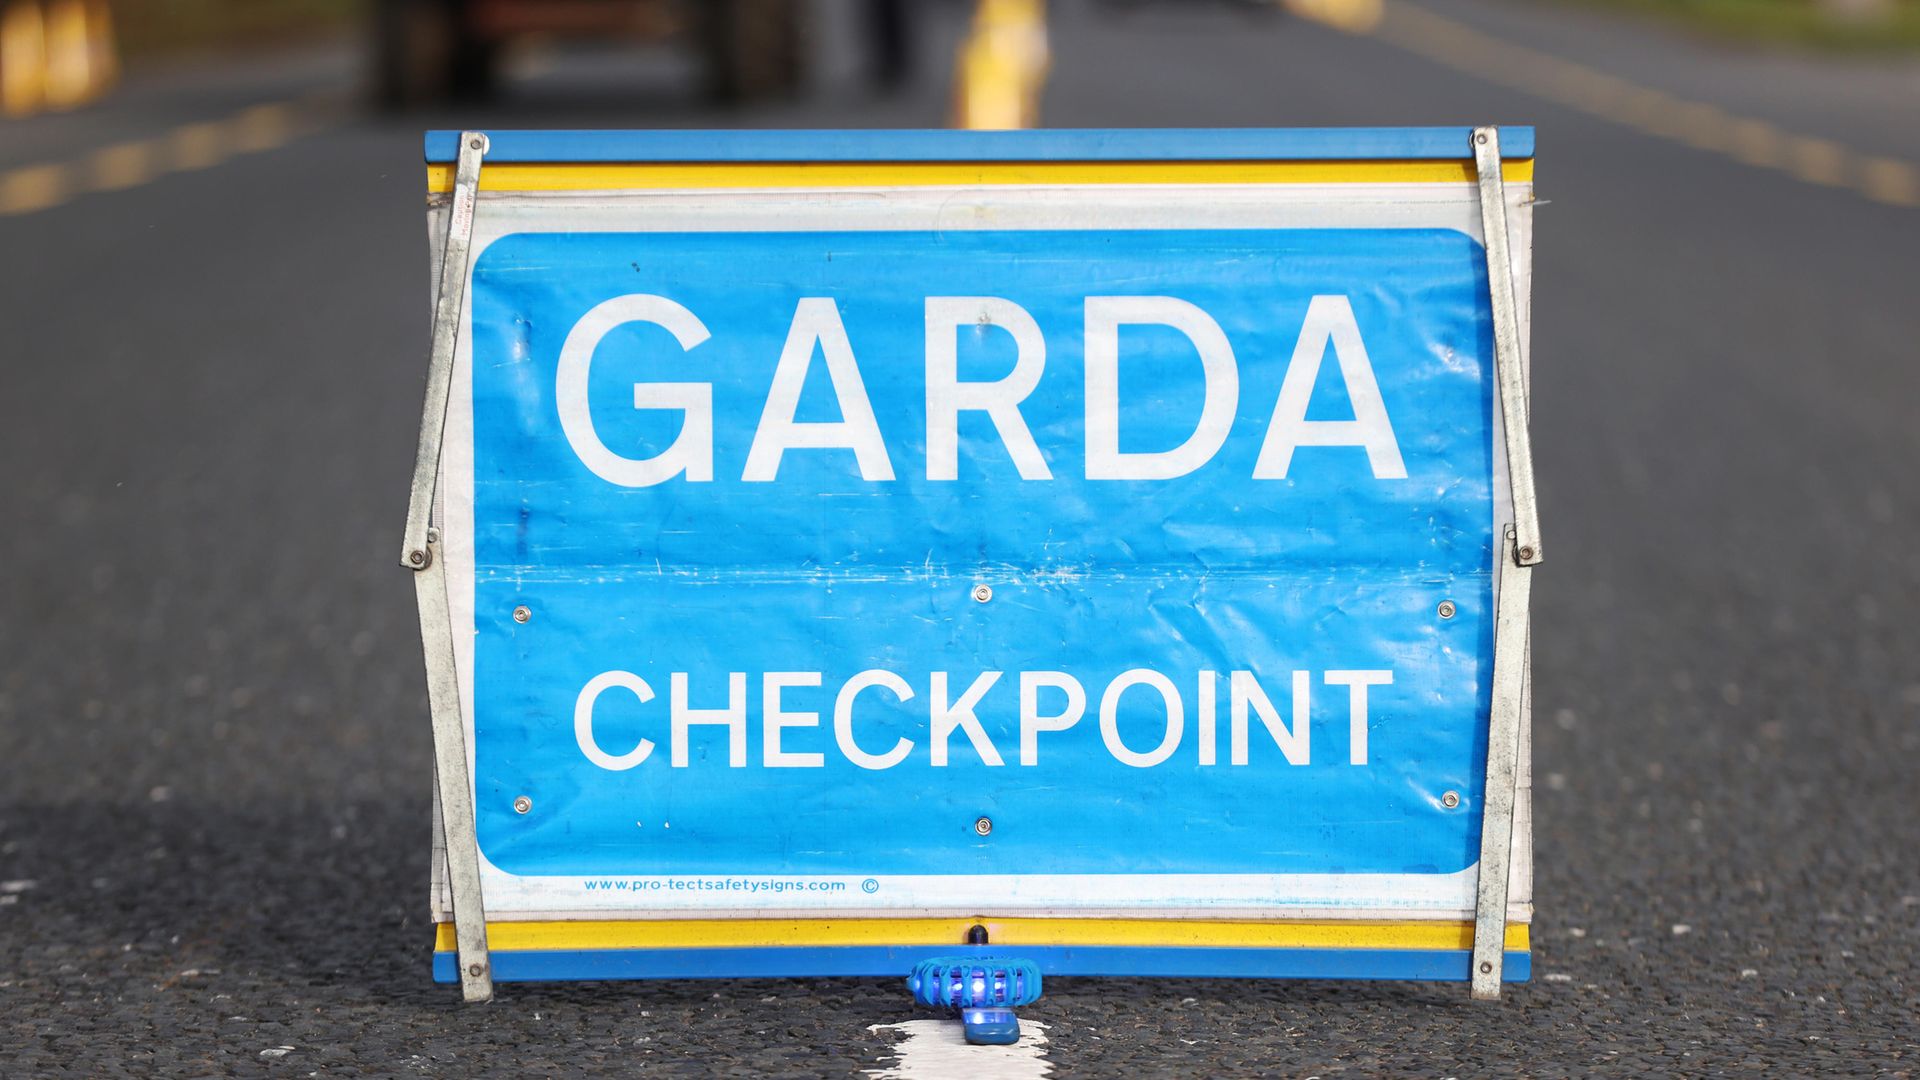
x=1804, y=23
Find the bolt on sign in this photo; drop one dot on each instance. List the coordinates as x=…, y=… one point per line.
x=831, y=543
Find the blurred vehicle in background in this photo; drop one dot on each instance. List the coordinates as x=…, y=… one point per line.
x=432, y=50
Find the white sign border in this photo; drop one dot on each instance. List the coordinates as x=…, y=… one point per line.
x=1346, y=897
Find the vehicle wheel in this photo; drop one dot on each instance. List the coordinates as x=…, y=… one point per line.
x=413, y=46
x=475, y=68
x=426, y=51
x=890, y=40
x=754, y=48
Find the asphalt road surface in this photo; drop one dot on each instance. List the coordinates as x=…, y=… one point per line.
x=214, y=756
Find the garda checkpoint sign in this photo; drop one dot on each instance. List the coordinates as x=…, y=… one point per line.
x=842, y=540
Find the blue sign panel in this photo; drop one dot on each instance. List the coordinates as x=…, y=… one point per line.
x=1008, y=553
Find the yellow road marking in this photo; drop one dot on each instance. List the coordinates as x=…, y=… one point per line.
x=1652, y=111
x=1705, y=127
x=1891, y=181
x=1697, y=124
x=34, y=188
x=263, y=127
x=1002, y=66
x=1817, y=161
x=1358, y=16
x=119, y=167
x=196, y=146
x=1760, y=144
x=75, y=72
x=23, y=58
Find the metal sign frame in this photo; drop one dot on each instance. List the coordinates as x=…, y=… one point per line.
x=421, y=554
x=1523, y=552
x=457, y=856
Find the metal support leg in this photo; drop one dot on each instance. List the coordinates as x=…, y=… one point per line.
x=450, y=771
x=446, y=335
x=1520, y=551
x=421, y=553
x=1506, y=344
x=1503, y=768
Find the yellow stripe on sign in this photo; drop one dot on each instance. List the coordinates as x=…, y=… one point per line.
x=845, y=174
x=764, y=933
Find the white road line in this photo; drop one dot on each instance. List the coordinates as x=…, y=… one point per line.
x=938, y=1050
x=1697, y=124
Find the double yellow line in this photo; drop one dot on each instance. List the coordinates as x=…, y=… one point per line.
x=56, y=54
x=184, y=149
x=1002, y=66
x=1749, y=141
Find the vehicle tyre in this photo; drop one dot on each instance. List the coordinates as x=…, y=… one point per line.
x=413, y=46
x=890, y=41
x=475, y=70
x=754, y=48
